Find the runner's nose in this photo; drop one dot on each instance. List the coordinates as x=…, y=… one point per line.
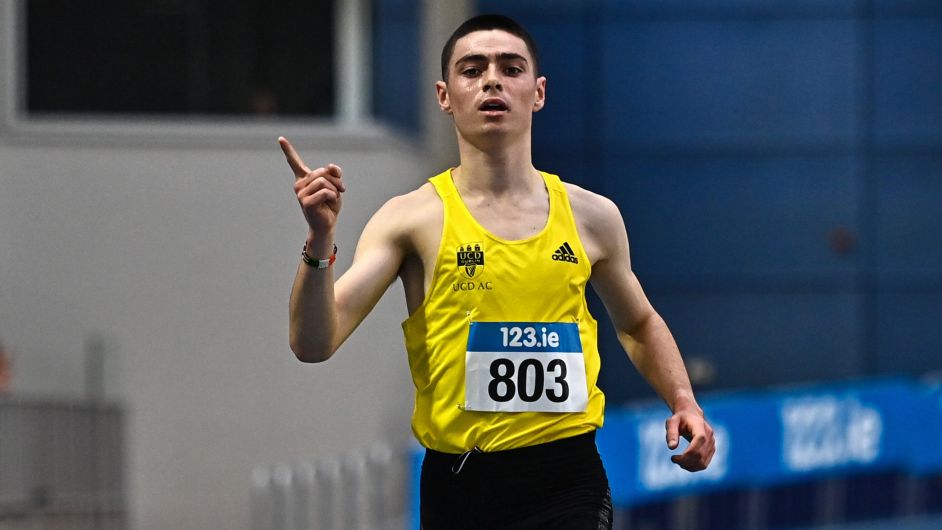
x=491, y=79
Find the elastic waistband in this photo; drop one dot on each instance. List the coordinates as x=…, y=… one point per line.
x=549, y=449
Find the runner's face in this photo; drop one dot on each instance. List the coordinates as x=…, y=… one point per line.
x=492, y=84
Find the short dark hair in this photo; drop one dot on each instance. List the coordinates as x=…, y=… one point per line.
x=484, y=23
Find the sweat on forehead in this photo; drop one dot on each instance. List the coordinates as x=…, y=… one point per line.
x=486, y=23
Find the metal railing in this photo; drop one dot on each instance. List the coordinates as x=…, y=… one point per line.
x=365, y=489
x=62, y=464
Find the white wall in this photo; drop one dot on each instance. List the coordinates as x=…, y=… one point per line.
x=182, y=258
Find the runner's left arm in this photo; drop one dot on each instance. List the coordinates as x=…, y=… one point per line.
x=645, y=336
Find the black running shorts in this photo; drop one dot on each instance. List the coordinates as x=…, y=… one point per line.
x=557, y=485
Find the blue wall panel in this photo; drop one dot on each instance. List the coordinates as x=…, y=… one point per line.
x=562, y=121
x=884, y=8
x=740, y=217
x=396, y=64
x=908, y=80
x=766, y=338
x=529, y=13
x=908, y=336
x=739, y=83
x=909, y=219
x=731, y=8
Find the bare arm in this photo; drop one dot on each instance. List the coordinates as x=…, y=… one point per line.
x=322, y=312
x=641, y=331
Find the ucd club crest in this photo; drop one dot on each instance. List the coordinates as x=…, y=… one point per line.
x=471, y=257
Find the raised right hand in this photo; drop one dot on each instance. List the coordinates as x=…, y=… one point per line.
x=319, y=191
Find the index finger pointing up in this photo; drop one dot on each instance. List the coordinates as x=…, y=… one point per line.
x=294, y=159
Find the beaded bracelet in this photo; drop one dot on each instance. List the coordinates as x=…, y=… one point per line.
x=318, y=263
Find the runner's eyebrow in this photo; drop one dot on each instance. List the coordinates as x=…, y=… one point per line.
x=480, y=57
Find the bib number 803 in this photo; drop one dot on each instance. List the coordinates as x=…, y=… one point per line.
x=504, y=387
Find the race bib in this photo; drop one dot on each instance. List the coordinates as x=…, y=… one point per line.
x=525, y=367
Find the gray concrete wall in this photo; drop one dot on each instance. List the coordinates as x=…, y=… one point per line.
x=180, y=257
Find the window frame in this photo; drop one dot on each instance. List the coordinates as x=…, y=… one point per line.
x=351, y=125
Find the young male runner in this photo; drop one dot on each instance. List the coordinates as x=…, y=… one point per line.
x=494, y=256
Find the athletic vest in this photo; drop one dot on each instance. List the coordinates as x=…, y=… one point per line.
x=510, y=319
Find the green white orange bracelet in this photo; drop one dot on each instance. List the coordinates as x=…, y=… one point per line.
x=318, y=263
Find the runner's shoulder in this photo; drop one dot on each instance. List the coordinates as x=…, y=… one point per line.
x=592, y=210
x=407, y=214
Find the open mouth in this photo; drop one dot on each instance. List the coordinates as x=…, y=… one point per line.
x=493, y=105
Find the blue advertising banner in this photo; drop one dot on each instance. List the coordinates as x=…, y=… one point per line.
x=778, y=437
x=927, y=435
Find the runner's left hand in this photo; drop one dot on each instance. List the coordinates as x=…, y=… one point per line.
x=693, y=426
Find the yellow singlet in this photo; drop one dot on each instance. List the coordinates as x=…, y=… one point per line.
x=503, y=350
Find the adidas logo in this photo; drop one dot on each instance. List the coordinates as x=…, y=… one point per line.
x=565, y=253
